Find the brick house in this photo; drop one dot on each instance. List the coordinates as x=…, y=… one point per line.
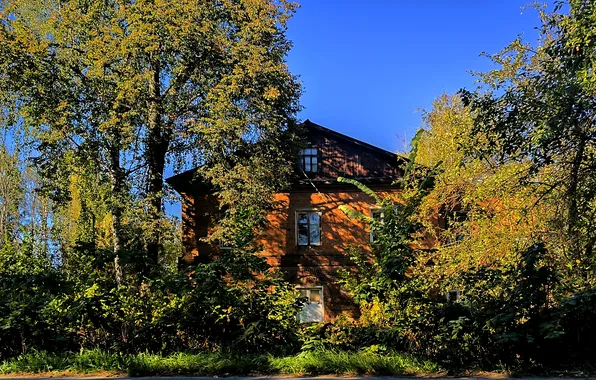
x=308, y=234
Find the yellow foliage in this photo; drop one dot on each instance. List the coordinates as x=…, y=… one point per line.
x=501, y=216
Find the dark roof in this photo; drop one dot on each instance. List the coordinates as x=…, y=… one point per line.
x=309, y=125
x=186, y=180
x=191, y=179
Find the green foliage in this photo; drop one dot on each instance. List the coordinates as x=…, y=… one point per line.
x=397, y=234
x=365, y=362
x=217, y=363
x=233, y=302
x=118, y=90
x=28, y=284
x=506, y=316
x=537, y=107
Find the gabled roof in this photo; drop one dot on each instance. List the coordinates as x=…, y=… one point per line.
x=189, y=178
x=314, y=127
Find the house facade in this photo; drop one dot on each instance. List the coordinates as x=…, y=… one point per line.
x=307, y=236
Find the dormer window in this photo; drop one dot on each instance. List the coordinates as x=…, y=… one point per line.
x=309, y=160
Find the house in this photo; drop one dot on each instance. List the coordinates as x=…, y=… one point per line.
x=308, y=235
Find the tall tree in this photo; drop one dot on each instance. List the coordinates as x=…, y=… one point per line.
x=489, y=217
x=11, y=196
x=135, y=85
x=540, y=106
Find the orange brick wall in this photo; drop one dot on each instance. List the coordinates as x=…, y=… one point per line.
x=308, y=266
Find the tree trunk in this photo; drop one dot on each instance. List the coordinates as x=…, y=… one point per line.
x=157, y=147
x=117, y=187
x=572, y=207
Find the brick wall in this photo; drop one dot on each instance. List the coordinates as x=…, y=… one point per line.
x=302, y=265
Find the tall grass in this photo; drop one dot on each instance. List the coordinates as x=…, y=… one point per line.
x=338, y=362
x=215, y=363
x=84, y=362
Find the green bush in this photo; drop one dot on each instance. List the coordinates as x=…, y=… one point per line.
x=28, y=284
x=205, y=307
x=234, y=302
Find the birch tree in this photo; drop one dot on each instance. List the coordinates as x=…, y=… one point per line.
x=134, y=86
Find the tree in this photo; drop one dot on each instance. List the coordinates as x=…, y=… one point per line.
x=539, y=107
x=489, y=216
x=383, y=275
x=11, y=196
x=130, y=86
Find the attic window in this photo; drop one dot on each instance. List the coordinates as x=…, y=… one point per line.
x=309, y=160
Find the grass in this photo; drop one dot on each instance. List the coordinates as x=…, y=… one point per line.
x=334, y=362
x=214, y=363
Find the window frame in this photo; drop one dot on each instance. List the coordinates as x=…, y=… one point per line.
x=223, y=247
x=454, y=217
x=304, y=156
x=321, y=290
x=297, y=224
x=456, y=298
x=372, y=212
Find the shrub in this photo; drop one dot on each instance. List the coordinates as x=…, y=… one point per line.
x=28, y=284
x=234, y=302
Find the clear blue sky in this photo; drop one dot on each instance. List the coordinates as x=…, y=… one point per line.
x=369, y=66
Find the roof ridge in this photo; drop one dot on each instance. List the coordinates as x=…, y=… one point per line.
x=309, y=122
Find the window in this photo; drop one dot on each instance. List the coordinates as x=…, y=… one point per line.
x=309, y=160
x=219, y=215
x=313, y=310
x=308, y=225
x=453, y=296
x=454, y=226
x=377, y=215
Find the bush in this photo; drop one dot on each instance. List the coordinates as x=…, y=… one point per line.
x=28, y=284
x=209, y=306
x=234, y=302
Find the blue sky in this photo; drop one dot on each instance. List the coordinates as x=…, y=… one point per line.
x=369, y=66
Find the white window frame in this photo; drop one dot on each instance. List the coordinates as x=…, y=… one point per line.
x=220, y=244
x=224, y=247
x=310, y=211
x=321, y=303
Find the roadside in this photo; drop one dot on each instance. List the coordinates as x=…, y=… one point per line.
x=312, y=363
x=486, y=376
x=320, y=365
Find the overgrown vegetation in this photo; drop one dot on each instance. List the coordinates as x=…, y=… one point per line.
x=97, y=98
x=484, y=260
x=507, y=278
x=206, y=364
